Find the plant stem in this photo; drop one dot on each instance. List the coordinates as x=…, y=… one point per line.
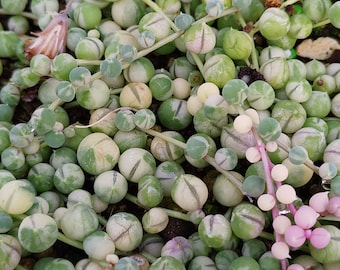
x=330, y=218
x=157, y=45
x=156, y=8
x=208, y=18
x=103, y=118
x=322, y=23
x=20, y=267
x=209, y=159
x=116, y=91
x=132, y=199
x=186, y=7
x=241, y=19
x=164, y=137
x=55, y=104
x=254, y=59
x=71, y=242
x=267, y=166
x=176, y=214
x=102, y=220
x=148, y=256
x=86, y=62
x=267, y=235
x=308, y=163
x=255, y=29
x=171, y=213
x=230, y=176
x=96, y=76
x=198, y=62
x=24, y=14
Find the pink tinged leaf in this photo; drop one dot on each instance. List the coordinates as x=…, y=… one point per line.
x=295, y=236
x=320, y=238
x=305, y=217
x=333, y=206
x=281, y=223
x=295, y=266
x=319, y=201
x=280, y=250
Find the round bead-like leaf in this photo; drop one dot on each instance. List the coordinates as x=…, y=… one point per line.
x=37, y=232
x=269, y=129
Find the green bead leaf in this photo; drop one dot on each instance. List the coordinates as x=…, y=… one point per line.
x=183, y=21
x=111, y=67
x=54, y=138
x=226, y=158
x=128, y=52
x=144, y=119
x=298, y=155
x=269, y=129
x=80, y=76
x=65, y=91
x=197, y=147
x=254, y=185
x=235, y=91
x=125, y=120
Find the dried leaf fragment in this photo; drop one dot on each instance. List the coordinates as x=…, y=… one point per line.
x=320, y=49
x=52, y=40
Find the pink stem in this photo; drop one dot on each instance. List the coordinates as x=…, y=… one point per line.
x=267, y=166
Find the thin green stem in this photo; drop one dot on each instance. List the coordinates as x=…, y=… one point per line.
x=132, y=199
x=19, y=217
x=241, y=19
x=55, y=104
x=255, y=29
x=305, y=249
x=198, y=62
x=208, y=18
x=254, y=58
x=24, y=14
x=86, y=62
x=229, y=213
x=140, y=54
x=96, y=76
x=330, y=218
x=267, y=235
x=229, y=175
x=157, y=45
x=71, y=242
x=157, y=9
x=148, y=256
x=238, y=108
x=186, y=7
x=322, y=23
x=20, y=267
x=116, y=91
x=61, y=236
x=209, y=159
x=102, y=220
x=164, y=137
x=308, y=162
x=70, y=105
x=171, y=213
x=176, y=214
x=103, y=118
